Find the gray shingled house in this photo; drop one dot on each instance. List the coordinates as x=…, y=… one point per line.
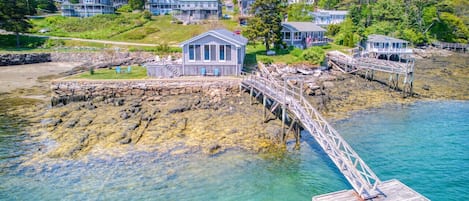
x=215, y=52
x=303, y=34
x=218, y=52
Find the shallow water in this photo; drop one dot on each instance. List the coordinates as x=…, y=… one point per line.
x=425, y=145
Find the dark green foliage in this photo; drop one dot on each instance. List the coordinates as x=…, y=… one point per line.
x=146, y=15
x=74, y=1
x=9, y=41
x=314, y=55
x=47, y=5
x=299, y=12
x=14, y=17
x=328, y=4
x=266, y=23
x=136, y=4
x=333, y=29
x=417, y=21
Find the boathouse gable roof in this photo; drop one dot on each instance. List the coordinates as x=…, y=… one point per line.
x=376, y=38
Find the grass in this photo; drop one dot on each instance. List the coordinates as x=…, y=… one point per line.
x=96, y=27
x=137, y=72
x=127, y=27
x=286, y=56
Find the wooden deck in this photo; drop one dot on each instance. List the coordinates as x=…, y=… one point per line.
x=393, y=190
x=348, y=64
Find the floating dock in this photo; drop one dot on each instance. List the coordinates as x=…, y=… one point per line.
x=393, y=190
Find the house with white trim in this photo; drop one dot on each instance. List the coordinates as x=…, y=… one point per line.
x=218, y=52
x=386, y=47
x=303, y=34
x=326, y=17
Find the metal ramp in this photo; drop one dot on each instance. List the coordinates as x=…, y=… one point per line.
x=363, y=180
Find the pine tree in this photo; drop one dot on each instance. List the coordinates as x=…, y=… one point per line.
x=13, y=14
x=267, y=22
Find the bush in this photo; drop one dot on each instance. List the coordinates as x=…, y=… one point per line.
x=146, y=15
x=315, y=55
x=53, y=43
x=125, y=9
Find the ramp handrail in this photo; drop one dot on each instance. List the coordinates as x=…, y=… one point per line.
x=355, y=170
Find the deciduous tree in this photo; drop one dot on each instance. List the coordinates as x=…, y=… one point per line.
x=267, y=22
x=13, y=14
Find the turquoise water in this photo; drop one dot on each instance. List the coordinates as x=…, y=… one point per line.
x=425, y=145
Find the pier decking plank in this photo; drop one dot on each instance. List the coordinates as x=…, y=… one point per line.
x=393, y=190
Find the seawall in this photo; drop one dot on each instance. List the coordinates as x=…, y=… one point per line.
x=65, y=91
x=20, y=59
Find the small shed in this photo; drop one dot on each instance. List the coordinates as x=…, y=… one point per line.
x=303, y=34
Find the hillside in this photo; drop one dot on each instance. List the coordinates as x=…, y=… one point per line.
x=132, y=27
x=418, y=21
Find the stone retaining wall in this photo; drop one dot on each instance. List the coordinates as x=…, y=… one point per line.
x=19, y=59
x=65, y=91
x=94, y=59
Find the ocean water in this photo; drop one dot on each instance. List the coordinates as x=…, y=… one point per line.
x=425, y=145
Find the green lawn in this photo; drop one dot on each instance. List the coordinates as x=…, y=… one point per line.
x=257, y=53
x=137, y=72
x=129, y=27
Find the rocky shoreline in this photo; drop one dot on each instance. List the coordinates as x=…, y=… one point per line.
x=212, y=122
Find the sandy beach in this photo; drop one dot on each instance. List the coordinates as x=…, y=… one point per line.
x=27, y=76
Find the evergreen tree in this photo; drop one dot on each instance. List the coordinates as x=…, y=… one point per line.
x=137, y=4
x=46, y=5
x=267, y=22
x=13, y=14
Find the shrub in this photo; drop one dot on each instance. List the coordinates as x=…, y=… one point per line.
x=315, y=55
x=125, y=9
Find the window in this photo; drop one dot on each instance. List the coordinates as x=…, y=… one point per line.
x=191, y=52
x=206, y=52
x=287, y=35
x=228, y=52
x=222, y=52
x=296, y=36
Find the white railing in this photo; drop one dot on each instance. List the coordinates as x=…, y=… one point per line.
x=355, y=170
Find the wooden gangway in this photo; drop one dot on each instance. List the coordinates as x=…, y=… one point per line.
x=348, y=64
x=363, y=180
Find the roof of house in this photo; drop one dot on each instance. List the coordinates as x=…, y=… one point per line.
x=376, y=38
x=302, y=26
x=222, y=34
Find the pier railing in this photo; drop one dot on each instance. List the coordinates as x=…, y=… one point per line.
x=358, y=174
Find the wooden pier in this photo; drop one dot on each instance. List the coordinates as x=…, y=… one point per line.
x=348, y=64
x=293, y=109
x=451, y=46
